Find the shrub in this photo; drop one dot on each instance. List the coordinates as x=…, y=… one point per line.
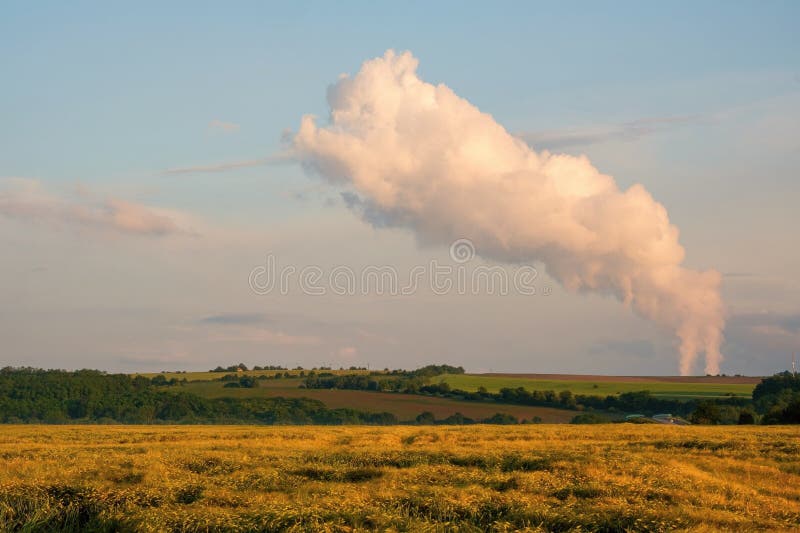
x=501, y=418
x=426, y=418
x=589, y=418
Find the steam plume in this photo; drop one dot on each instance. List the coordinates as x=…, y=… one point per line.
x=417, y=155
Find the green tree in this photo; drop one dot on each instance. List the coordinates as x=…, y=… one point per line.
x=426, y=418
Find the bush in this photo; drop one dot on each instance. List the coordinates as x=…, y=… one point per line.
x=747, y=417
x=501, y=418
x=590, y=418
x=426, y=418
x=457, y=419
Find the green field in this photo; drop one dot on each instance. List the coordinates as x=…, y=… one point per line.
x=604, y=385
x=534, y=478
x=666, y=387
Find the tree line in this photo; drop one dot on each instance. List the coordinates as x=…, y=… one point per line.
x=29, y=395
x=57, y=396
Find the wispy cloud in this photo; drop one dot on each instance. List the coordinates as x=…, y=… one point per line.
x=787, y=323
x=347, y=353
x=148, y=358
x=275, y=159
x=635, y=347
x=738, y=275
x=766, y=332
x=223, y=126
x=234, y=319
x=29, y=200
x=260, y=335
x=585, y=136
x=252, y=328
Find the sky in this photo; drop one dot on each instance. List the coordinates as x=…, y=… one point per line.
x=151, y=165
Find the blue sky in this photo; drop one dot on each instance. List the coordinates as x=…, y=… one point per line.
x=698, y=101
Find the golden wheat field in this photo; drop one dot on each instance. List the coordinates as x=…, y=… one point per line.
x=469, y=478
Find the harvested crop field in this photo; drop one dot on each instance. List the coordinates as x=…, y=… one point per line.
x=470, y=478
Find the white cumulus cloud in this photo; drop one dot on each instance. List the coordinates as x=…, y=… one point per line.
x=419, y=156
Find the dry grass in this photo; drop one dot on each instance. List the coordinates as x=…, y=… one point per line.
x=475, y=478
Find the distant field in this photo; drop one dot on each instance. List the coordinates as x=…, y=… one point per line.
x=404, y=406
x=470, y=478
x=667, y=386
x=679, y=387
x=408, y=406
